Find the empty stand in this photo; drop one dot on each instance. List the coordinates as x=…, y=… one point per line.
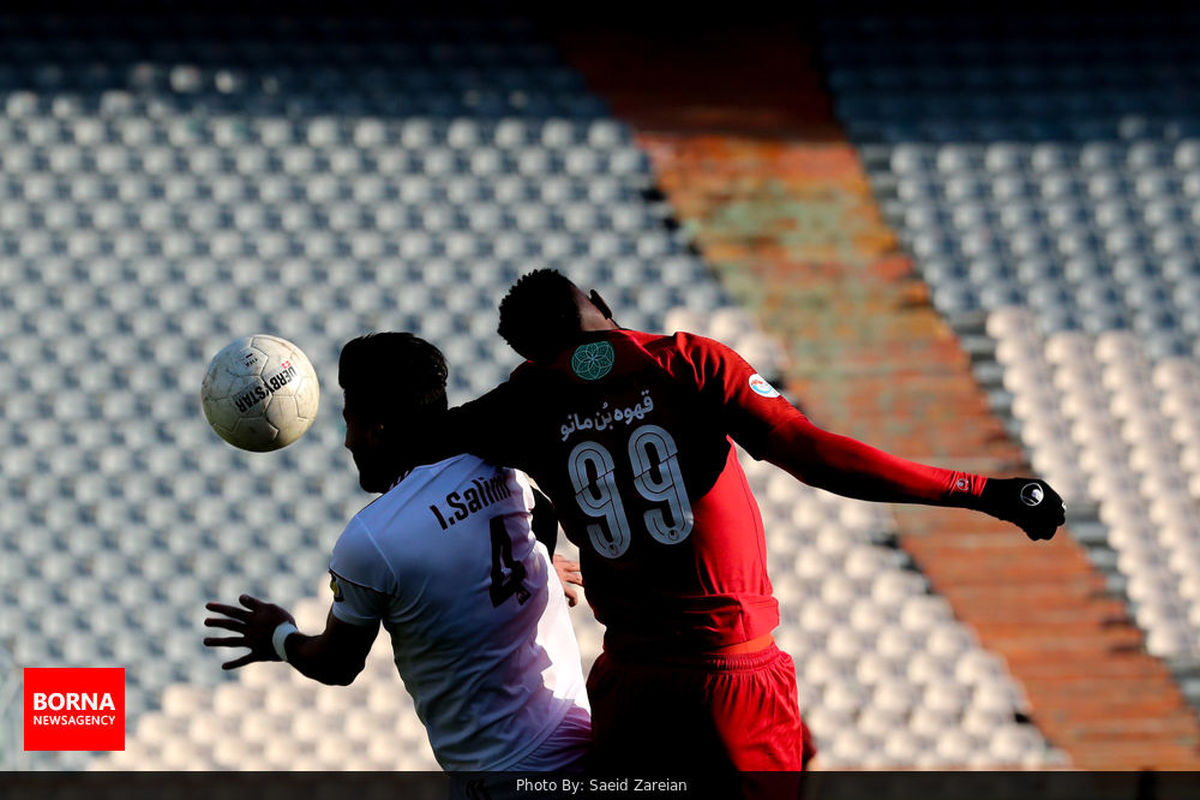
x=1044, y=179
x=160, y=199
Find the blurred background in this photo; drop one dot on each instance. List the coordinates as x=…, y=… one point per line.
x=967, y=237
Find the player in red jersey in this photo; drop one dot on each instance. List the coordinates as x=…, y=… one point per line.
x=629, y=434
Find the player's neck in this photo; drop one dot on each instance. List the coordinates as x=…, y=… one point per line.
x=422, y=445
x=595, y=322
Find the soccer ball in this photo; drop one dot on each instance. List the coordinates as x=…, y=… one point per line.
x=260, y=393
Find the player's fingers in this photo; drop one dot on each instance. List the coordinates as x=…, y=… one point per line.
x=572, y=596
x=1041, y=533
x=225, y=641
x=251, y=602
x=239, y=662
x=1055, y=518
x=227, y=624
x=229, y=611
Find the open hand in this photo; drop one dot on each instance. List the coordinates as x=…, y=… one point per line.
x=254, y=624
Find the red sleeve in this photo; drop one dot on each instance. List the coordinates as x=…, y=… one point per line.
x=770, y=428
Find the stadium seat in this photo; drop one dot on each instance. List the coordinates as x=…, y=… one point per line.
x=903, y=748
x=955, y=747
x=923, y=668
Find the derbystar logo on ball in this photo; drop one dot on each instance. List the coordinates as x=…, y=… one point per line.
x=74, y=708
x=260, y=393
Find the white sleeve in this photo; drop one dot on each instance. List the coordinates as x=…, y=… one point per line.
x=362, y=578
x=357, y=605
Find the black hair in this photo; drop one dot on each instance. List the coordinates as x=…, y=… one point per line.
x=392, y=376
x=539, y=316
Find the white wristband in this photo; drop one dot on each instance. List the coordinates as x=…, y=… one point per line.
x=282, y=631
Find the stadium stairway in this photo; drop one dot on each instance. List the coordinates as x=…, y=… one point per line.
x=779, y=203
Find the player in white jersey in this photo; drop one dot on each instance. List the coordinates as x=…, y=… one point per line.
x=447, y=560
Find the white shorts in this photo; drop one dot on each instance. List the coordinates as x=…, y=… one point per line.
x=563, y=751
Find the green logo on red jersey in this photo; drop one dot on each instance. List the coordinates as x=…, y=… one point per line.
x=593, y=361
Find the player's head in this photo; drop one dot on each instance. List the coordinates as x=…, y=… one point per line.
x=544, y=313
x=394, y=384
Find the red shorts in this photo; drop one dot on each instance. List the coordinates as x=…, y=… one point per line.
x=702, y=713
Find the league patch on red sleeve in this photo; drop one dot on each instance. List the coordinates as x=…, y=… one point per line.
x=761, y=387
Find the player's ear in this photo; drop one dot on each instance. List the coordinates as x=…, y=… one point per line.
x=599, y=303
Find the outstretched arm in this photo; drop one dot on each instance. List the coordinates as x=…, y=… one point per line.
x=333, y=657
x=850, y=468
x=771, y=428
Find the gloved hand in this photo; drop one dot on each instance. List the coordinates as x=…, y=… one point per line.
x=1028, y=503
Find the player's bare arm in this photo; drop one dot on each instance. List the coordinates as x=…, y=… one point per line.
x=333, y=657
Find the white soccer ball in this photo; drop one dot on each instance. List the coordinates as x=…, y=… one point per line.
x=260, y=393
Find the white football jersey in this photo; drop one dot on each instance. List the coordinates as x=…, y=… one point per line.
x=480, y=630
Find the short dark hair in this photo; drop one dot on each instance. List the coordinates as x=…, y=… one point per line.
x=539, y=316
x=392, y=375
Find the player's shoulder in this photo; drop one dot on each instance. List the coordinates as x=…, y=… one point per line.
x=358, y=537
x=676, y=341
x=683, y=353
x=357, y=556
x=660, y=346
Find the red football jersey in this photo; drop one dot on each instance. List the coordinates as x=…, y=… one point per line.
x=629, y=433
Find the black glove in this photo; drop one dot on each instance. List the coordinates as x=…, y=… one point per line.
x=1028, y=503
